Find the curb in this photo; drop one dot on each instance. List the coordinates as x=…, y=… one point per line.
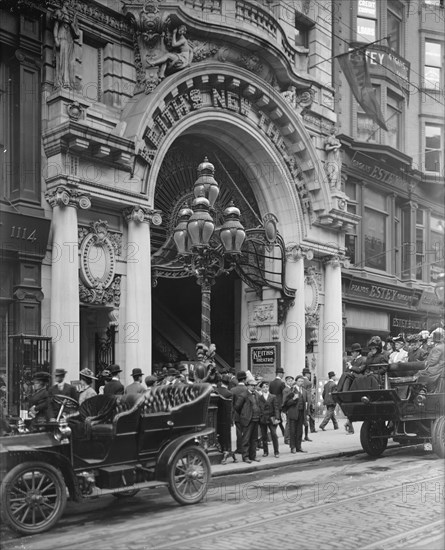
x=288, y=462
x=280, y=464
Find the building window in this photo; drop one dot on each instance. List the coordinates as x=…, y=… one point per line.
x=433, y=64
x=394, y=29
x=366, y=21
x=92, y=73
x=351, y=237
x=436, y=253
x=433, y=147
x=374, y=229
x=301, y=34
x=367, y=128
x=394, y=121
x=420, y=243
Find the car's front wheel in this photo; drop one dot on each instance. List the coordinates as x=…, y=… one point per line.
x=32, y=497
x=189, y=475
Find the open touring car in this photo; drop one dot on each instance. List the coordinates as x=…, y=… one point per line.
x=110, y=445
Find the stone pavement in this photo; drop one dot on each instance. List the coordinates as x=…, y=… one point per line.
x=328, y=444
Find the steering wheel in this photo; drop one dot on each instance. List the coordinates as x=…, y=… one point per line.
x=66, y=403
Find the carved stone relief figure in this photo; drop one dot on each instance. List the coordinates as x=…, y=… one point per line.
x=179, y=54
x=65, y=32
x=333, y=162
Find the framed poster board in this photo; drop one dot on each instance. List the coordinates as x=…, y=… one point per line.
x=264, y=359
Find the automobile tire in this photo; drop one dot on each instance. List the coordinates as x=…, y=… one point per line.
x=32, y=497
x=370, y=429
x=189, y=475
x=438, y=437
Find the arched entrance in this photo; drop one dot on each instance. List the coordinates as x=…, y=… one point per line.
x=176, y=299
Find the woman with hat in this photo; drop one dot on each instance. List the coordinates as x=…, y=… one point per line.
x=86, y=381
x=399, y=355
x=355, y=366
x=40, y=407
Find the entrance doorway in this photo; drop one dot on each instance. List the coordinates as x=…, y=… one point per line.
x=176, y=305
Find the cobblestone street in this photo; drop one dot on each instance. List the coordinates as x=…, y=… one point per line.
x=396, y=501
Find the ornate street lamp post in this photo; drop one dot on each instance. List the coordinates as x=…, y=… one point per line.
x=208, y=251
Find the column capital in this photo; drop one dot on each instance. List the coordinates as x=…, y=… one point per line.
x=297, y=252
x=140, y=214
x=337, y=260
x=63, y=196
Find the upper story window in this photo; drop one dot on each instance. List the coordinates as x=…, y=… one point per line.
x=433, y=64
x=420, y=242
x=394, y=26
x=433, y=147
x=366, y=21
x=436, y=252
x=301, y=35
x=92, y=71
x=394, y=121
x=374, y=224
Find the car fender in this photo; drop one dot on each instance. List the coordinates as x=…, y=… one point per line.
x=167, y=454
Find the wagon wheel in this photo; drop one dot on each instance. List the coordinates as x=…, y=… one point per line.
x=32, y=497
x=189, y=475
x=438, y=437
x=369, y=430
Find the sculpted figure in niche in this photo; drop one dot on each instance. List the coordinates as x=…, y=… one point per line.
x=333, y=162
x=174, y=60
x=65, y=32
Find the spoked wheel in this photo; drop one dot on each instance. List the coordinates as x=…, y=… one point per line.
x=32, y=497
x=438, y=437
x=372, y=437
x=189, y=475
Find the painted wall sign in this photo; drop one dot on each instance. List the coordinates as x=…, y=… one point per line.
x=400, y=323
x=378, y=293
x=365, y=164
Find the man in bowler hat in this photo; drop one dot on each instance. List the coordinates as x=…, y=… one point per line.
x=136, y=387
x=276, y=387
x=329, y=402
x=114, y=386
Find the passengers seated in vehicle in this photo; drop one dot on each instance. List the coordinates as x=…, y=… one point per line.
x=370, y=378
x=355, y=367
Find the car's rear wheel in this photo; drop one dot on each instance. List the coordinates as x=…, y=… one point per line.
x=32, y=497
x=189, y=475
x=371, y=437
x=438, y=437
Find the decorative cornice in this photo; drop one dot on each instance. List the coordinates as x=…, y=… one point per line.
x=139, y=214
x=99, y=295
x=62, y=196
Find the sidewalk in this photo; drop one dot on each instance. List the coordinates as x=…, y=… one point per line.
x=328, y=444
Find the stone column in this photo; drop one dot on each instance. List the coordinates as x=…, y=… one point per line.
x=293, y=330
x=331, y=337
x=137, y=328
x=64, y=328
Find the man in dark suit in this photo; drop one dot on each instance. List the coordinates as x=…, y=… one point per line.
x=296, y=407
x=276, y=387
x=61, y=387
x=269, y=418
x=248, y=407
x=114, y=386
x=237, y=391
x=224, y=418
x=40, y=402
x=329, y=402
x=309, y=389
